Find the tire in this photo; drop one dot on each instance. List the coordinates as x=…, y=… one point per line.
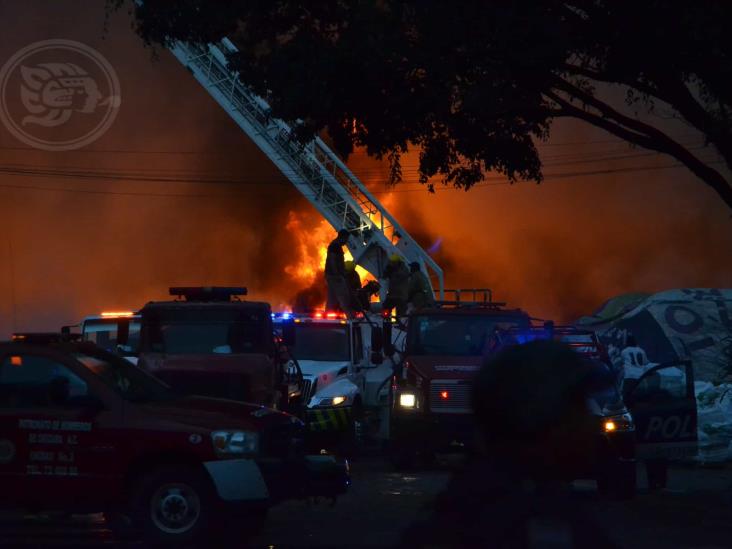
x=173, y=505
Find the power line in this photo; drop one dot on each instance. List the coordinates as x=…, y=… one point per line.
x=486, y=183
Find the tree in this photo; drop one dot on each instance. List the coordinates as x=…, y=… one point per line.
x=473, y=84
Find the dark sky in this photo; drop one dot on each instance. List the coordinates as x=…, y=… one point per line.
x=558, y=249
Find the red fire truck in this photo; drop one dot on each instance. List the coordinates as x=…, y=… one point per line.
x=83, y=430
x=432, y=385
x=212, y=342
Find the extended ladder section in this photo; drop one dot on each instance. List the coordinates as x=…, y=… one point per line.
x=317, y=172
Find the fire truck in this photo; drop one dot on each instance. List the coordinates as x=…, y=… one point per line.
x=84, y=431
x=346, y=385
x=209, y=341
x=443, y=349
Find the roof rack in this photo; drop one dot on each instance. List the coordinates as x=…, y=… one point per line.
x=471, y=298
x=208, y=293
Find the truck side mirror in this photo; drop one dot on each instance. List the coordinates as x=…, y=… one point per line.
x=125, y=350
x=388, y=343
x=288, y=333
x=377, y=340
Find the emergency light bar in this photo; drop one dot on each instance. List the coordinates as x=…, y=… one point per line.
x=117, y=314
x=44, y=338
x=314, y=315
x=584, y=342
x=208, y=293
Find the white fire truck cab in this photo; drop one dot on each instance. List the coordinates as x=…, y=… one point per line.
x=114, y=331
x=346, y=385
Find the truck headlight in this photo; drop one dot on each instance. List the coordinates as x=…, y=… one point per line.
x=333, y=401
x=407, y=400
x=618, y=423
x=235, y=443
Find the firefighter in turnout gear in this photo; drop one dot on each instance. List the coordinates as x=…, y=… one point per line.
x=398, y=293
x=420, y=290
x=339, y=296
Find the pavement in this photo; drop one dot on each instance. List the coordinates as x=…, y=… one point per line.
x=694, y=512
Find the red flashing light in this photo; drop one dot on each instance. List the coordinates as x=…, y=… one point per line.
x=444, y=395
x=331, y=315
x=318, y=315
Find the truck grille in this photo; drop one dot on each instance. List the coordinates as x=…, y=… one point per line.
x=307, y=390
x=450, y=396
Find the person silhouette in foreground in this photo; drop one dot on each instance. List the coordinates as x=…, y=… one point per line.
x=532, y=424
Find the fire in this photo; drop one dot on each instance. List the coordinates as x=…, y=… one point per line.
x=311, y=249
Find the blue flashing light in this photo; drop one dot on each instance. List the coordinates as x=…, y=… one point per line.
x=286, y=316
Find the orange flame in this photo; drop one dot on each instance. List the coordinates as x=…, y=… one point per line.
x=312, y=246
x=311, y=250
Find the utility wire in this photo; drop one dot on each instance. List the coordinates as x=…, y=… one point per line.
x=486, y=183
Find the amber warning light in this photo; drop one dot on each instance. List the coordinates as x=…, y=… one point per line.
x=117, y=314
x=444, y=395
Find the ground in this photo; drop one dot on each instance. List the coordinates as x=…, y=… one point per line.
x=695, y=511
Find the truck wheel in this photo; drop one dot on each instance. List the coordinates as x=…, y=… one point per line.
x=173, y=505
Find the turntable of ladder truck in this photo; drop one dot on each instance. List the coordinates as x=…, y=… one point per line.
x=432, y=385
x=346, y=386
x=211, y=342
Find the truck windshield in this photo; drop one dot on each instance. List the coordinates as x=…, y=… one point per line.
x=104, y=333
x=207, y=337
x=129, y=381
x=322, y=342
x=602, y=390
x=456, y=335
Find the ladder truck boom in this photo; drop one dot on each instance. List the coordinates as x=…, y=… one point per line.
x=313, y=168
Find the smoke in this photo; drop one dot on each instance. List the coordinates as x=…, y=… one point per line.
x=562, y=248
x=312, y=297
x=75, y=251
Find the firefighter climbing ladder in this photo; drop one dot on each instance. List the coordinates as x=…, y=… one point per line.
x=317, y=172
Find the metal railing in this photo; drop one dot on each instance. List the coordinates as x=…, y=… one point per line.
x=320, y=175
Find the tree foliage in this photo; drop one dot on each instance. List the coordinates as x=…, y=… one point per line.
x=474, y=84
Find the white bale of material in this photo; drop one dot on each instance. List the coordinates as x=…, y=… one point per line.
x=714, y=414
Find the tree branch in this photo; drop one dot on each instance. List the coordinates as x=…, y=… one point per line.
x=710, y=176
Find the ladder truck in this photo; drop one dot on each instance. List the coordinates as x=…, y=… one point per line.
x=313, y=168
x=329, y=186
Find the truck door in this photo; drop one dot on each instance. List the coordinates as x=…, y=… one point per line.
x=47, y=430
x=663, y=405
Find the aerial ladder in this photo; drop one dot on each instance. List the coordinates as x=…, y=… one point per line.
x=313, y=168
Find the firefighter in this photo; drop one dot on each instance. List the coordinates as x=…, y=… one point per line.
x=339, y=297
x=352, y=278
x=420, y=290
x=397, y=274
